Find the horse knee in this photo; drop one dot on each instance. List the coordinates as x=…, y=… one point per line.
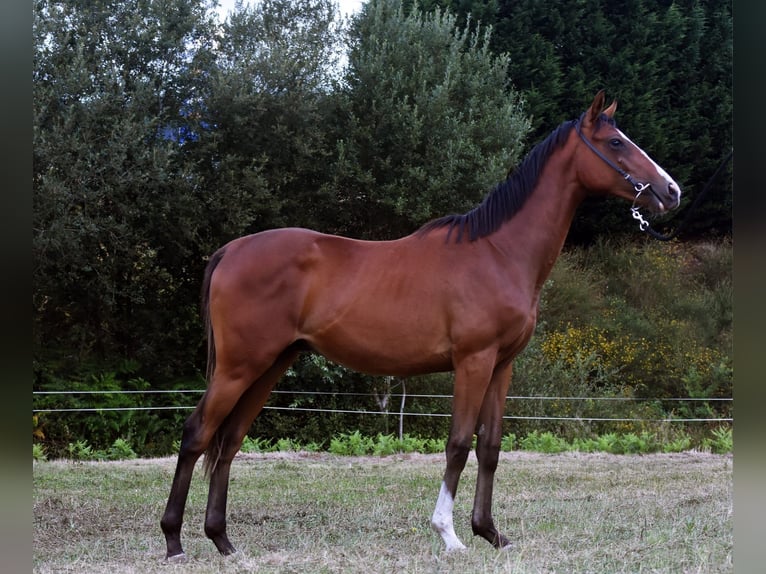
x=457, y=452
x=488, y=455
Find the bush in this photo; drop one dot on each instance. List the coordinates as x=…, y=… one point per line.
x=251, y=445
x=351, y=444
x=149, y=432
x=120, y=450
x=508, y=442
x=623, y=320
x=721, y=442
x=80, y=450
x=544, y=442
x=386, y=444
x=287, y=445
x=678, y=444
x=357, y=444
x=38, y=452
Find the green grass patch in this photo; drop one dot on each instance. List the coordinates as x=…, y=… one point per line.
x=318, y=512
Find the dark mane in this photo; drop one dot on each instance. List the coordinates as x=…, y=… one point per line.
x=507, y=198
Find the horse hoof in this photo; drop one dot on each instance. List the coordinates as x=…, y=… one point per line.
x=176, y=559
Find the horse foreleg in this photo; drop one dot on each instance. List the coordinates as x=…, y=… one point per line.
x=489, y=431
x=471, y=379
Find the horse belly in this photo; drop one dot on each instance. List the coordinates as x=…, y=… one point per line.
x=384, y=342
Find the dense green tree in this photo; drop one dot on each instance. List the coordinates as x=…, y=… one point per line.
x=429, y=123
x=468, y=13
x=115, y=217
x=668, y=63
x=423, y=125
x=265, y=147
x=160, y=133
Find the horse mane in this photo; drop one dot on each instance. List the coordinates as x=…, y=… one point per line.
x=507, y=197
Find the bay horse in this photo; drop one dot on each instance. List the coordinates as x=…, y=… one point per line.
x=460, y=294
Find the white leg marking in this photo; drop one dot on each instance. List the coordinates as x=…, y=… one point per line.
x=442, y=520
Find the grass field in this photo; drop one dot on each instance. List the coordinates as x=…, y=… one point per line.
x=312, y=512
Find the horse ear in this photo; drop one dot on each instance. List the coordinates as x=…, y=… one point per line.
x=611, y=109
x=595, y=108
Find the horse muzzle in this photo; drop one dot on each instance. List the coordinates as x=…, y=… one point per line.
x=659, y=197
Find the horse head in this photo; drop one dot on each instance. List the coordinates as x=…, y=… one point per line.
x=609, y=162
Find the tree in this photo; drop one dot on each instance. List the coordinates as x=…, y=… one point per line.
x=428, y=122
x=669, y=64
x=264, y=156
x=114, y=202
x=158, y=136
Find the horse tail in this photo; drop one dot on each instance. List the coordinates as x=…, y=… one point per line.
x=213, y=451
x=205, y=311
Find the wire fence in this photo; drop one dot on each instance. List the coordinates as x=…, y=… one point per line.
x=401, y=412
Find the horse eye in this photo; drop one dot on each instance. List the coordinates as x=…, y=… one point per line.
x=615, y=143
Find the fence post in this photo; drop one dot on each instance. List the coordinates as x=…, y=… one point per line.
x=401, y=411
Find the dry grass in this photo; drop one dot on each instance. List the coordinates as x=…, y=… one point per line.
x=323, y=513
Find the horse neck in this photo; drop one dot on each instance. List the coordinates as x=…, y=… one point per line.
x=536, y=234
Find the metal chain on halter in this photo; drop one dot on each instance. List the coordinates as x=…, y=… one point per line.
x=643, y=224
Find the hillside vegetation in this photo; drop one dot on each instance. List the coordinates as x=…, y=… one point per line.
x=648, y=321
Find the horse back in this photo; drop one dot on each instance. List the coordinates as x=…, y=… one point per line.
x=381, y=307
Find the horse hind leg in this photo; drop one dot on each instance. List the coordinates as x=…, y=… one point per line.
x=223, y=394
x=198, y=431
x=190, y=451
x=227, y=442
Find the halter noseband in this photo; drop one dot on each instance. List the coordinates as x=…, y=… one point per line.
x=637, y=185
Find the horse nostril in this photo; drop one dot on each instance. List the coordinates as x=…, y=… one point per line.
x=673, y=190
